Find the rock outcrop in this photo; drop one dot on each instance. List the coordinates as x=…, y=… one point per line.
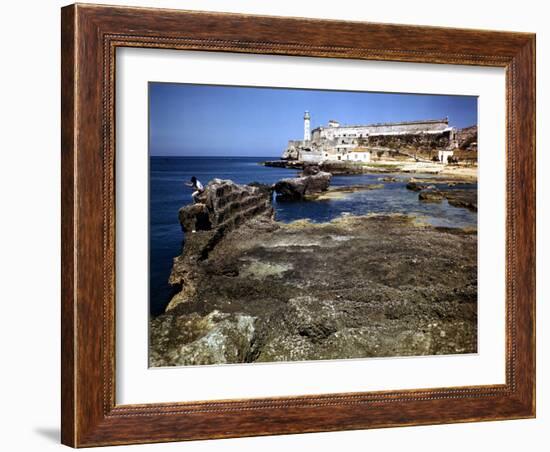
x=225, y=205
x=466, y=199
x=467, y=138
x=467, y=145
x=222, y=207
x=312, y=181
x=355, y=287
x=415, y=186
x=290, y=153
x=432, y=195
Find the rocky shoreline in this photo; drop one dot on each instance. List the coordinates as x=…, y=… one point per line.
x=434, y=192
x=252, y=289
x=310, y=182
x=457, y=173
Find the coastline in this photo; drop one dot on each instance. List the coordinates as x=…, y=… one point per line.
x=458, y=173
x=358, y=193
x=253, y=289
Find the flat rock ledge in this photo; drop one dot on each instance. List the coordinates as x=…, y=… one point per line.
x=432, y=190
x=466, y=199
x=355, y=287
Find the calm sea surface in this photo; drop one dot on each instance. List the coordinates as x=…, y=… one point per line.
x=168, y=194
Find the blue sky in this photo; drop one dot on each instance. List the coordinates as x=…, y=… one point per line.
x=207, y=120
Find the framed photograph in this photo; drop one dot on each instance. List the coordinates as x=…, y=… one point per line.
x=281, y=225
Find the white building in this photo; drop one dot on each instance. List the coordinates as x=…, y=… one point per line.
x=310, y=156
x=335, y=130
x=444, y=156
x=337, y=142
x=359, y=155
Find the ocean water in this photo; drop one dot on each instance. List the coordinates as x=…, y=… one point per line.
x=168, y=193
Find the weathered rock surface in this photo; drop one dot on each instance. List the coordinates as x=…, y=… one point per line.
x=310, y=170
x=467, y=138
x=355, y=287
x=415, y=186
x=309, y=328
x=179, y=339
x=462, y=198
x=466, y=199
x=299, y=187
x=290, y=153
x=342, y=192
x=467, y=145
x=195, y=217
x=224, y=204
x=432, y=195
x=223, y=207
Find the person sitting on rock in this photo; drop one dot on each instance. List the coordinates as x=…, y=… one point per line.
x=197, y=186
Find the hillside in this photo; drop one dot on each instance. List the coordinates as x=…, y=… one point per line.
x=467, y=144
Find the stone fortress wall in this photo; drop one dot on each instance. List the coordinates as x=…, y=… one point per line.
x=335, y=130
x=356, y=143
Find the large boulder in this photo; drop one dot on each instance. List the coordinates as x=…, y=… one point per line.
x=310, y=170
x=299, y=187
x=224, y=204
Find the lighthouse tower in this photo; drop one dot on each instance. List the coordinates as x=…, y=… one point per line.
x=307, y=128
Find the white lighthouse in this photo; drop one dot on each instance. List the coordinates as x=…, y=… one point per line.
x=307, y=127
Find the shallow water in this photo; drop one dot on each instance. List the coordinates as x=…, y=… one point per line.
x=392, y=198
x=168, y=194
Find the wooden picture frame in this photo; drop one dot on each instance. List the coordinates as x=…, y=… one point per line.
x=90, y=36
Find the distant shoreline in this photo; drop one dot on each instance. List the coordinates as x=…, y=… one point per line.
x=460, y=173
x=273, y=157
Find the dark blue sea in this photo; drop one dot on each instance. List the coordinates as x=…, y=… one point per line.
x=168, y=193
